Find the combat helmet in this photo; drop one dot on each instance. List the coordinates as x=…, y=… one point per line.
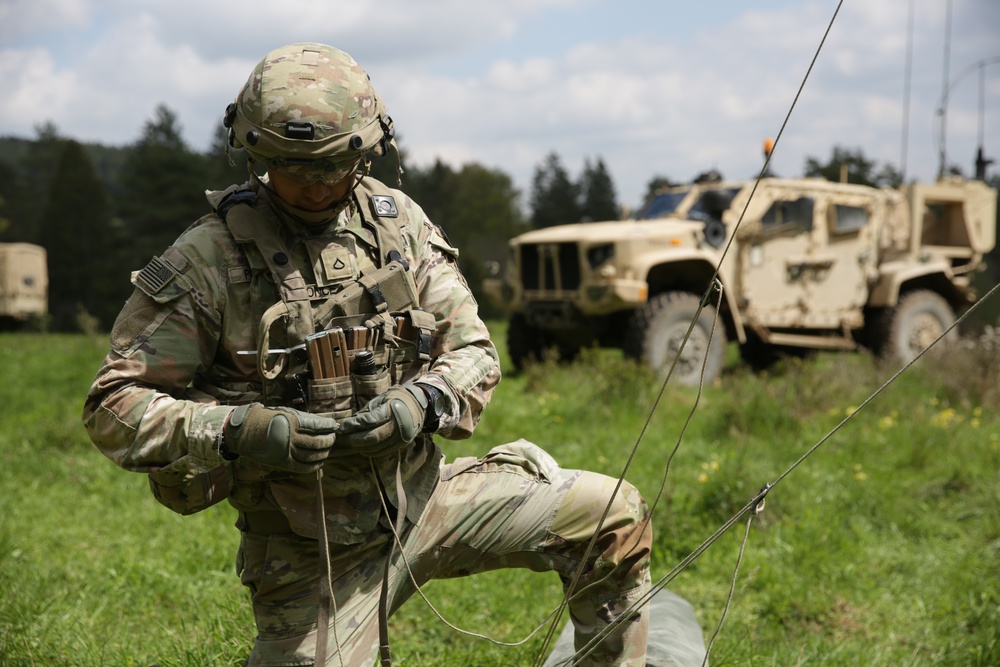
x=309, y=106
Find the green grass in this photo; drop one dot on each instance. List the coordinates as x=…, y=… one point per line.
x=883, y=548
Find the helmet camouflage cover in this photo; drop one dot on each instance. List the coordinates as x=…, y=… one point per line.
x=308, y=102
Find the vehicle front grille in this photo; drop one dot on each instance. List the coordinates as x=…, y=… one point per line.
x=550, y=266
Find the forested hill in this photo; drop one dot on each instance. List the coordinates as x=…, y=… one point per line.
x=106, y=160
x=103, y=211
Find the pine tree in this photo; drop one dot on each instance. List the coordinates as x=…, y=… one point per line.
x=597, y=190
x=7, y=186
x=27, y=191
x=163, y=187
x=434, y=189
x=485, y=215
x=554, y=197
x=85, y=273
x=860, y=170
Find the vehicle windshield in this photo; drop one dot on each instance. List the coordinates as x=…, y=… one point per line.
x=662, y=205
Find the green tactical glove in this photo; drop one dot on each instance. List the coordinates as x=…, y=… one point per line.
x=282, y=438
x=388, y=422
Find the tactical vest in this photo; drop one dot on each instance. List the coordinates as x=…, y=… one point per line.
x=325, y=346
x=310, y=335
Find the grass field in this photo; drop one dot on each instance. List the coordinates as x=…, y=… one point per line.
x=882, y=548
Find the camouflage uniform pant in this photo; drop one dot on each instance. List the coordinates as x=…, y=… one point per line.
x=513, y=508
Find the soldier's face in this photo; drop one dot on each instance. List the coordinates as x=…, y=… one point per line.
x=315, y=196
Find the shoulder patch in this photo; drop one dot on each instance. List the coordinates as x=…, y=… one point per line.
x=155, y=276
x=383, y=206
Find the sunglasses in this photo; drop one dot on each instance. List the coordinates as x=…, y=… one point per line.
x=306, y=172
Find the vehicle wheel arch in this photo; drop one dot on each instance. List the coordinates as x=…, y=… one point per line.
x=891, y=286
x=693, y=275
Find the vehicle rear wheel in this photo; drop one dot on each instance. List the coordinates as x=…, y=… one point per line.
x=917, y=320
x=656, y=333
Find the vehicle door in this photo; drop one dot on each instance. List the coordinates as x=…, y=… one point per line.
x=774, y=290
x=843, y=261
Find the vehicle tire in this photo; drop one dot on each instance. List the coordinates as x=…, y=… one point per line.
x=656, y=332
x=917, y=320
x=527, y=344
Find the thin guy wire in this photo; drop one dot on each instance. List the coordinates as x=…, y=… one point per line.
x=571, y=589
x=592, y=644
x=732, y=591
x=325, y=549
x=714, y=279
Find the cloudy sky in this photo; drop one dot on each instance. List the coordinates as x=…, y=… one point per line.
x=652, y=87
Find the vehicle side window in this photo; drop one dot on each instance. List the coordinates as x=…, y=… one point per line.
x=845, y=219
x=796, y=215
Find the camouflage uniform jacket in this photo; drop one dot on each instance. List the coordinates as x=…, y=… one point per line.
x=177, y=363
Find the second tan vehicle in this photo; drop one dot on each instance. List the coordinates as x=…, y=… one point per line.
x=814, y=265
x=24, y=283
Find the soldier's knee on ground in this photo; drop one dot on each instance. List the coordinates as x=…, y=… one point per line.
x=625, y=538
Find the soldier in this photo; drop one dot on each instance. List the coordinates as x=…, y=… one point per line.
x=294, y=352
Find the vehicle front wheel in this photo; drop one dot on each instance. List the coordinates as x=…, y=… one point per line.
x=913, y=325
x=656, y=333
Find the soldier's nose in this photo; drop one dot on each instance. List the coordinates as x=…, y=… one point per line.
x=317, y=191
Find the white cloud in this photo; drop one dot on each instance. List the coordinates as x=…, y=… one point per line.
x=504, y=84
x=27, y=18
x=36, y=91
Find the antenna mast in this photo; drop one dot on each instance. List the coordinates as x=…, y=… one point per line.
x=907, y=76
x=943, y=111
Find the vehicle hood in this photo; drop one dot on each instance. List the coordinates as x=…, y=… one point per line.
x=616, y=230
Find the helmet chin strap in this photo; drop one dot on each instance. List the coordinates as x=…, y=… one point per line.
x=305, y=216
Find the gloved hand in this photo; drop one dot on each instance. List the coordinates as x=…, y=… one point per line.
x=282, y=438
x=387, y=423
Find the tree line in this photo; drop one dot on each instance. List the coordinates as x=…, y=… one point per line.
x=102, y=212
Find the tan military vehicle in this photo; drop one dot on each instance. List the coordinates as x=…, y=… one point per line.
x=814, y=265
x=24, y=283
